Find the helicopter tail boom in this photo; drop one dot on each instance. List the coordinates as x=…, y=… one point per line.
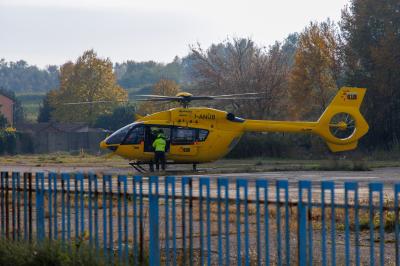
x=341, y=125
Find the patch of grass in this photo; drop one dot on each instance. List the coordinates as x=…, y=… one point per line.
x=344, y=165
x=259, y=163
x=47, y=253
x=390, y=221
x=80, y=159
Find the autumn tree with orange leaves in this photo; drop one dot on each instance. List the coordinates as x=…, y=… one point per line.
x=89, y=79
x=315, y=73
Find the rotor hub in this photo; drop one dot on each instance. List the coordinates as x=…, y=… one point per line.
x=342, y=125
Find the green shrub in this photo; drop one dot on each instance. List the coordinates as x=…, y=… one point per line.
x=279, y=145
x=8, y=143
x=47, y=253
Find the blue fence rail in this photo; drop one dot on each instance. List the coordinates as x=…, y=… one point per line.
x=198, y=221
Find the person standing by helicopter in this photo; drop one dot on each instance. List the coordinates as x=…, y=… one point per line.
x=159, y=146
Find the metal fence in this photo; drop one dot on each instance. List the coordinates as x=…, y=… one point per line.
x=196, y=221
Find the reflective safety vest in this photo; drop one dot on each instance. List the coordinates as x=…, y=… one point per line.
x=159, y=144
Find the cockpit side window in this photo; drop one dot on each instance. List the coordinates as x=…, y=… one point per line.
x=119, y=136
x=135, y=136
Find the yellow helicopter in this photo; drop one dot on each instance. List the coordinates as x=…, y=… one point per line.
x=197, y=134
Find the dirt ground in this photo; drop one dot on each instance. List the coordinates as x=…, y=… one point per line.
x=251, y=170
x=292, y=170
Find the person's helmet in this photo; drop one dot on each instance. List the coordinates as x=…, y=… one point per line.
x=161, y=135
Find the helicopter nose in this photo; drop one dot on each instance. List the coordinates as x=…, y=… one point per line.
x=103, y=145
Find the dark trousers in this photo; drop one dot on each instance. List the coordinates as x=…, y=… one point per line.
x=159, y=158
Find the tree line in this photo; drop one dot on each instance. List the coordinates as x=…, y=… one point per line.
x=297, y=77
x=362, y=50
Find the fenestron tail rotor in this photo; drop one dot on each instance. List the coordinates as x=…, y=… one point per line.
x=342, y=125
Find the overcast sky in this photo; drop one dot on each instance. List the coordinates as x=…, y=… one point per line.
x=45, y=32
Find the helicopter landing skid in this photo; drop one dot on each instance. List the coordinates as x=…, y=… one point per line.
x=138, y=167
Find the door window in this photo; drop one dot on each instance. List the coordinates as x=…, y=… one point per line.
x=202, y=135
x=136, y=135
x=182, y=135
x=151, y=133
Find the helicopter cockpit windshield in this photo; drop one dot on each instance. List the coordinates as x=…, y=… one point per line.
x=119, y=136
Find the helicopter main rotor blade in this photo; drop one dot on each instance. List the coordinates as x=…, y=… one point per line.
x=154, y=96
x=182, y=99
x=169, y=99
x=223, y=98
x=238, y=94
x=198, y=98
x=78, y=103
x=238, y=98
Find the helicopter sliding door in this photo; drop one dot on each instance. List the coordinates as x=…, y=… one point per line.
x=186, y=140
x=151, y=132
x=180, y=140
x=183, y=140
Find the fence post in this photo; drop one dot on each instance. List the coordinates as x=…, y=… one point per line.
x=19, y=206
x=396, y=226
x=204, y=182
x=264, y=185
x=40, y=206
x=7, y=207
x=351, y=186
x=242, y=183
x=2, y=203
x=170, y=181
x=79, y=206
x=55, y=216
x=328, y=185
x=223, y=183
x=122, y=253
x=15, y=178
x=154, y=246
x=187, y=182
x=282, y=184
x=91, y=178
x=138, y=253
x=49, y=204
x=108, y=250
x=65, y=178
x=25, y=188
x=376, y=187
x=302, y=224
x=95, y=188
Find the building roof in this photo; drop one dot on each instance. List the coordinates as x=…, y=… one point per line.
x=8, y=97
x=56, y=127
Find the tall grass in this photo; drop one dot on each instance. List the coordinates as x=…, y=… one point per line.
x=15, y=253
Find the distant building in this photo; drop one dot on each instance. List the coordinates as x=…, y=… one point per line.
x=55, y=127
x=6, y=108
x=54, y=137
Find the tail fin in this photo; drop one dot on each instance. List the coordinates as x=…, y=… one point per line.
x=342, y=125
